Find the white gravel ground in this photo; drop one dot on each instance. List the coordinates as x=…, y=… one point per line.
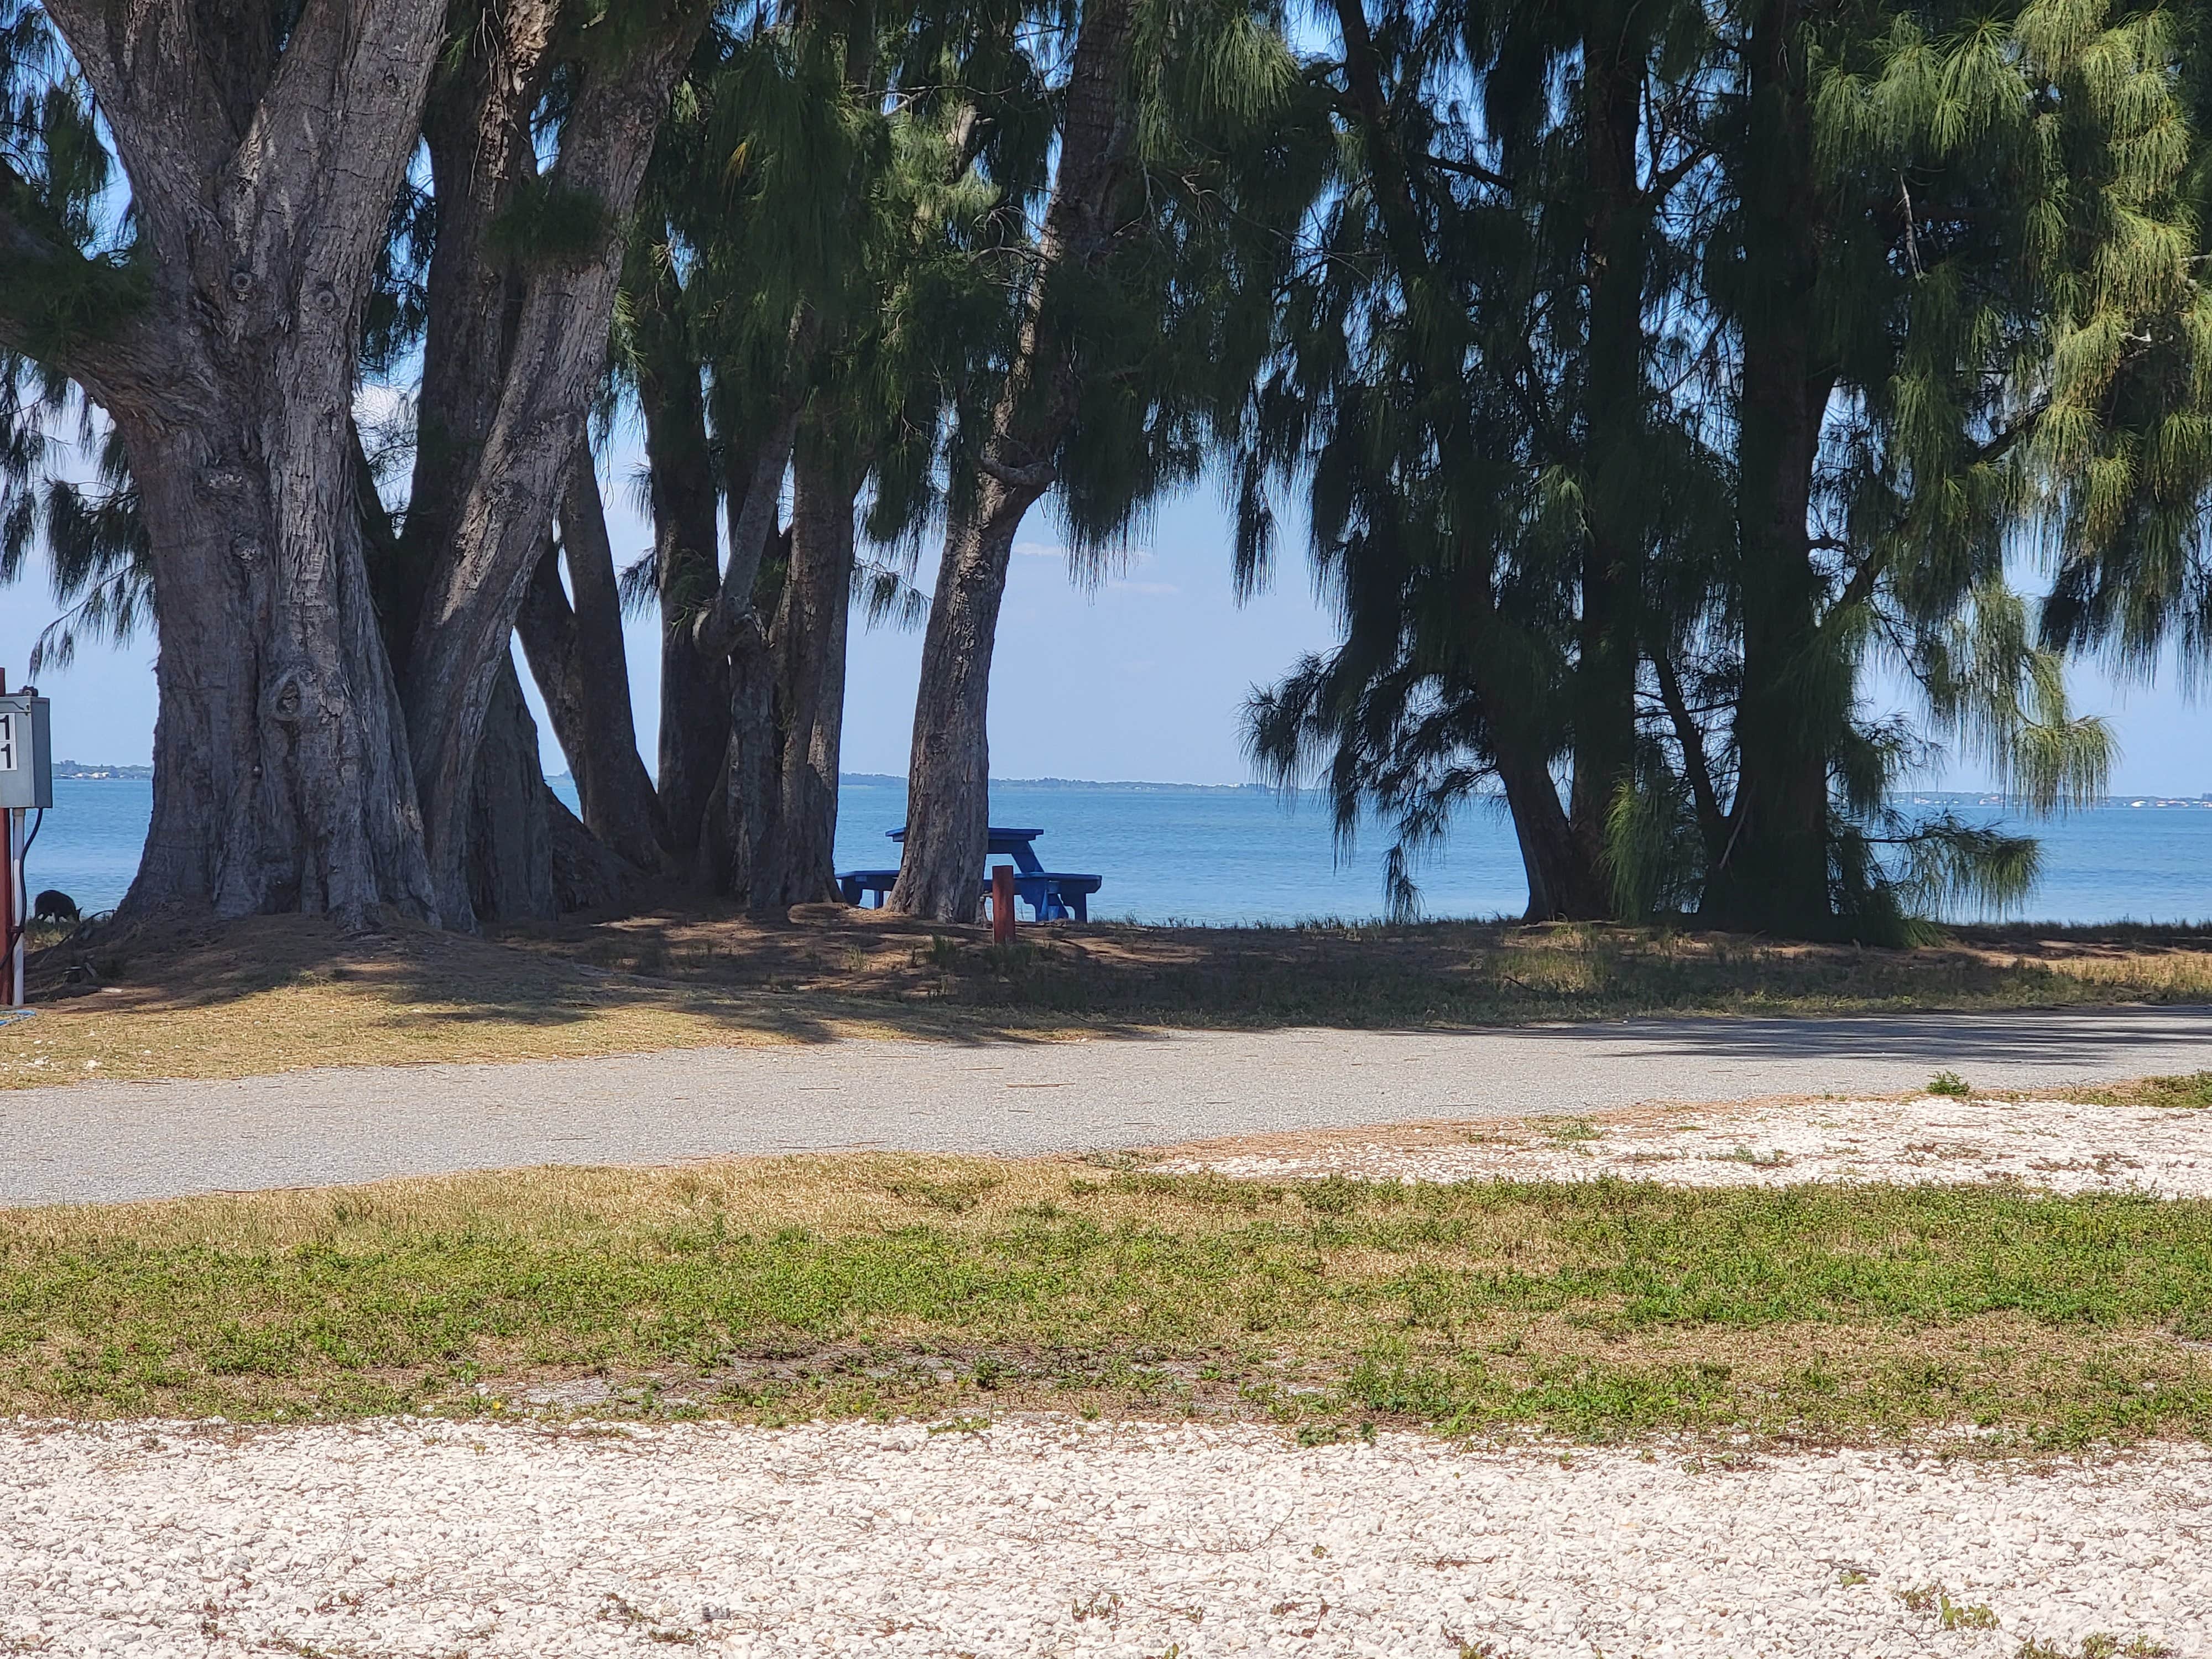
x=1047, y=1536
x=2055, y=1145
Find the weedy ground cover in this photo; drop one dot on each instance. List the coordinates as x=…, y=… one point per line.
x=873, y=1286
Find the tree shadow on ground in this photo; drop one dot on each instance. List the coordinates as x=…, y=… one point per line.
x=271, y=992
x=1366, y=975
x=193, y=996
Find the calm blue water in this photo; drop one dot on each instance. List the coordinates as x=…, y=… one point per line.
x=1229, y=856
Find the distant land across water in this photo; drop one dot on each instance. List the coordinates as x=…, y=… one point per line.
x=1244, y=852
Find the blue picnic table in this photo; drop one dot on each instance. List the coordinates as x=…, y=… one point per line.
x=1051, y=895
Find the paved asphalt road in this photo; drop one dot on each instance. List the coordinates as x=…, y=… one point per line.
x=106, y=1141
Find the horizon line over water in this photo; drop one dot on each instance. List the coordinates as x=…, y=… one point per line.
x=563, y=784
x=1493, y=797
x=1225, y=853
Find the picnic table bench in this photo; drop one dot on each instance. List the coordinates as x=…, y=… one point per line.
x=1051, y=895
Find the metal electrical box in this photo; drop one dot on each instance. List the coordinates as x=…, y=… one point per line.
x=26, y=752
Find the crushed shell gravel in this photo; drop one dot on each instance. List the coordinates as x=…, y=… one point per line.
x=2052, y=1145
x=1044, y=1536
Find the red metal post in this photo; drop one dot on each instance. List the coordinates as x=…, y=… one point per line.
x=8, y=997
x=1002, y=904
x=11, y=840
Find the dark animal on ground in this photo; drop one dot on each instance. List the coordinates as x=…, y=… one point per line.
x=53, y=905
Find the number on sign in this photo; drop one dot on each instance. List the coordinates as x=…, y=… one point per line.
x=7, y=742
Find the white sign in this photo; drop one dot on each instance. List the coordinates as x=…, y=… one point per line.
x=7, y=742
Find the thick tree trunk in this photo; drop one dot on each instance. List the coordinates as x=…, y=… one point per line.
x=510, y=833
x=710, y=858
x=948, y=779
x=948, y=774
x=735, y=627
x=1559, y=878
x=280, y=774
x=1773, y=872
x=262, y=174
x=577, y=657
x=749, y=774
x=1564, y=882
x=515, y=370
x=1613, y=489
x=586, y=874
x=811, y=626
x=476, y=129
x=694, y=681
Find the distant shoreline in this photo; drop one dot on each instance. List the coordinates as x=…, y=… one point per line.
x=83, y=772
x=1081, y=783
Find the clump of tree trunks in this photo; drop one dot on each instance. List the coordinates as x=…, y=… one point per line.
x=1648, y=377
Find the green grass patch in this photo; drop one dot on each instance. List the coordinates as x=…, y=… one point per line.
x=2187, y=1093
x=876, y=1285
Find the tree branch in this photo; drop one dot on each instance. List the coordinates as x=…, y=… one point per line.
x=1401, y=220
x=965, y=135
x=1696, y=767
x=1663, y=183
x=75, y=314
x=1036, y=477
x=1474, y=170
x=718, y=628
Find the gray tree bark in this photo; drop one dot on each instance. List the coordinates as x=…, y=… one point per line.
x=949, y=772
x=588, y=875
x=530, y=858
x=694, y=680
x=734, y=629
x=262, y=161
x=749, y=774
x=510, y=846
x=948, y=785
x=577, y=657
x=808, y=644
x=1614, y=490
x=508, y=374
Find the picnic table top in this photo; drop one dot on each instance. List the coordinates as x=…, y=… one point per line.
x=998, y=833
x=1014, y=843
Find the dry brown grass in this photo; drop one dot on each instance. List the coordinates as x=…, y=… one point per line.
x=833, y=1194
x=277, y=993
x=282, y=993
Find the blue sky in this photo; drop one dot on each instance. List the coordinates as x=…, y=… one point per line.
x=1143, y=678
